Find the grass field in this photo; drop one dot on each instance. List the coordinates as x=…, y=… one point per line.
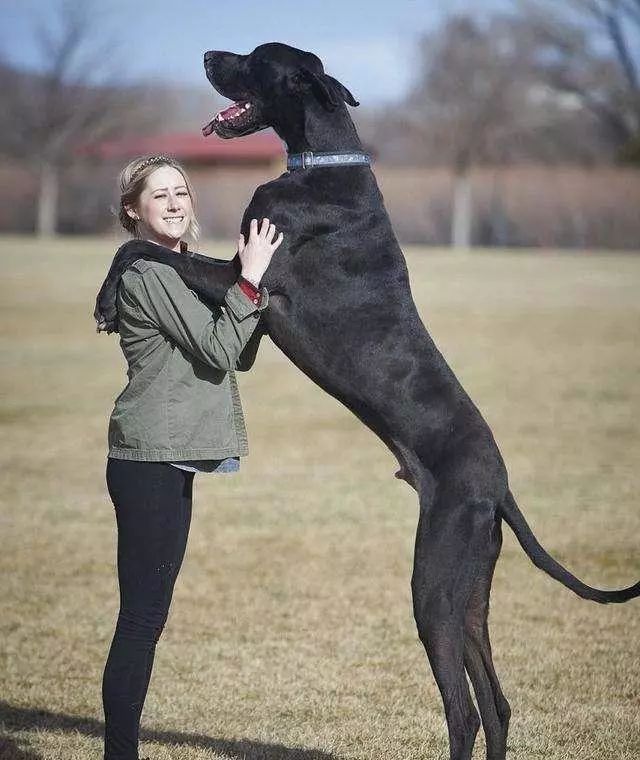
x=291, y=636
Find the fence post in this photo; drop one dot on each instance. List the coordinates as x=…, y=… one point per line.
x=462, y=211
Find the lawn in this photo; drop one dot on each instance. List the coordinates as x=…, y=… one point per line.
x=290, y=635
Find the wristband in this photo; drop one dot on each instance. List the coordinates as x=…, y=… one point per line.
x=250, y=290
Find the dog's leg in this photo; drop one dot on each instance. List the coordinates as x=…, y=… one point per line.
x=451, y=539
x=494, y=708
x=210, y=278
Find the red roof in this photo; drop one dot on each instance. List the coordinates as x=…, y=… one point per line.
x=190, y=146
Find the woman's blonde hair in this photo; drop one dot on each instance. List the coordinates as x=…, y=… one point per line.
x=132, y=181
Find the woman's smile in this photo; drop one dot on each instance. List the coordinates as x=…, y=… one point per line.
x=165, y=207
x=175, y=221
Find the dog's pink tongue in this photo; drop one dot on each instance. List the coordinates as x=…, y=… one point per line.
x=231, y=112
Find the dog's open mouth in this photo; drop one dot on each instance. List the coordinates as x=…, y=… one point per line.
x=233, y=121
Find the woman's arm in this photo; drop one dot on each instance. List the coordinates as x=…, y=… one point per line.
x=250, y=351
x=164, y=300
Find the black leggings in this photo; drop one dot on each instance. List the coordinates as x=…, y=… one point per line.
x=152, y=503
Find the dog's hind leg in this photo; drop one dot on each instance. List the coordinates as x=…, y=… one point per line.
x=494, y=708
x=451, y=542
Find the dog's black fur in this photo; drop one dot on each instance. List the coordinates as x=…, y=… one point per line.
x=341, y=310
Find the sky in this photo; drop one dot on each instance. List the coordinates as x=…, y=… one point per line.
x=367, y=44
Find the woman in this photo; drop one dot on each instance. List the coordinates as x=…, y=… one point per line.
x=179, y=413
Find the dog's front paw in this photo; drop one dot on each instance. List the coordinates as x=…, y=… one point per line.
x=105, y=312
x=104, y=325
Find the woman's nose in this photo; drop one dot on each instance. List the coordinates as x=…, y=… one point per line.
x=172, y=202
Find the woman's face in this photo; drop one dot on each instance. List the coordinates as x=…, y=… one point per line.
x=164, y=208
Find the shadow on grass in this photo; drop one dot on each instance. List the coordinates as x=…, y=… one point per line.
x=25, y=718
x=11, y=750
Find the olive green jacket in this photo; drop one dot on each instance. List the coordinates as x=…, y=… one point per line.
x=182, y=400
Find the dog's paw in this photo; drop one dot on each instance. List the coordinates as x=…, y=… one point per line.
x=106, y=316
x=106, y=325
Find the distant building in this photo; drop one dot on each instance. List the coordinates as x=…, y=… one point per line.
x=224, y=172
x=262, y=149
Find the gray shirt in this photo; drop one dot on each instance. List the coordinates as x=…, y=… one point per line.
x=230, y=464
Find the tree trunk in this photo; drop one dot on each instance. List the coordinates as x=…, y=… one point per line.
x=462, y=210
x=47, y=219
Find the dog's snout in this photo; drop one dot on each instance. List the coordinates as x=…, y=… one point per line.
x=220, y=57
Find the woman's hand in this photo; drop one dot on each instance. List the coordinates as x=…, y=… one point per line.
x=256, y=254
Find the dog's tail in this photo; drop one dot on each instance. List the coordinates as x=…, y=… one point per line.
x=516, y=521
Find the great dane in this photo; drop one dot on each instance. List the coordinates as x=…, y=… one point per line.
x=341, y=310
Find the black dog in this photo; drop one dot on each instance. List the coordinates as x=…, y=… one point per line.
x=341, y=310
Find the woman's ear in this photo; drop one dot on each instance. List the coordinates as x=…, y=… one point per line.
x=131, y=213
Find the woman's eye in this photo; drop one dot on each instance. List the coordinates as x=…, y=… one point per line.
x=183, y=193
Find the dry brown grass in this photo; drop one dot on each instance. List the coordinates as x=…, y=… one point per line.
x=290, y=635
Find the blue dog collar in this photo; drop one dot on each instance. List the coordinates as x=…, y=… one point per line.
x=308, y=160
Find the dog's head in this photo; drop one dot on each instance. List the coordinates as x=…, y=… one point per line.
x=271, y=87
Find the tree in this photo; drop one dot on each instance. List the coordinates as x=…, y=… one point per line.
x=69, y=102
x=589, y=50
x=484, y=96
x=471, y=95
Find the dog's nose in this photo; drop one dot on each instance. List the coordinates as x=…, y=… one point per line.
x=209, y=55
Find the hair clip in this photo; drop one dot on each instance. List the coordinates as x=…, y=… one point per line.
x=160, y=159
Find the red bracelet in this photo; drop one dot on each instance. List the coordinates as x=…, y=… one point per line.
x=250, y=290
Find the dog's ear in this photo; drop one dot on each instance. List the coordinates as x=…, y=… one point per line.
x=344, y=93
x=327, y=89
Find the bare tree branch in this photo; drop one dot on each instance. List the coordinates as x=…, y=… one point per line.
x=618, y=38
x=591, y=40
x=70, y=102
x=632, y=9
